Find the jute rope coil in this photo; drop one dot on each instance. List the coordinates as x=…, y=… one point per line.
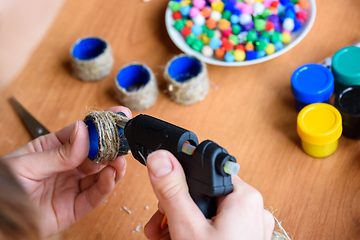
x=96, y=64
x=138, y=96
x=110, y=143
x=191, y=90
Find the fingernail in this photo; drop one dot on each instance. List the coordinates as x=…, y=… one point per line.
x=159, y=164
x=74, y=132
x=115, y=174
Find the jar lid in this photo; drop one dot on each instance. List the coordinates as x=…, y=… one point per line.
x=319, y=124
x=346, y=66
x=348, y=103
x=312, y=83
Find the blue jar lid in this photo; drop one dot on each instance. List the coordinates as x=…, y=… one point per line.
x=312, y=83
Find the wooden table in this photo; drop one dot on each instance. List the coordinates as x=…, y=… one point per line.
x=249, y=111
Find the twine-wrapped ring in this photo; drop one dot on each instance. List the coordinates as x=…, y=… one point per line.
x=136, y=86
x=187, y=79
x=91, y=58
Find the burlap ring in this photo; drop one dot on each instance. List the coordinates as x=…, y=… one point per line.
x=136, y=86
x=91, y=58
x=187, y=79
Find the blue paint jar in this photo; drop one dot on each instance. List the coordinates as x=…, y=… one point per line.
x=311, y=83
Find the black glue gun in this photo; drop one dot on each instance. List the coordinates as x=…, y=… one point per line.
x=207, y=166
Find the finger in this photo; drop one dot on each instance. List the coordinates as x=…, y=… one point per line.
x=169, y=184
x=242, y=210
x=91, y=198
x=121, y=109
x=152, y=228
x=269, y=224
x=161, y=209
x=43, y=143
x=119, y=164
x=39, y=165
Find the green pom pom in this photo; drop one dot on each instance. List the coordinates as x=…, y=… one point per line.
x=226, y=14
x=276, y=37
x=197, y=45
x=260, y=24
x=236, y=29
x=251, y=36
x=179, y=24
x=266, y=13
x=190, y=39
x=211, y=33
x=234, y=39
x=174, y=6
x=266, y=35
x=261, y=45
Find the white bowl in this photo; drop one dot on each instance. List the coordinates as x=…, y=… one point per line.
x=179, y=40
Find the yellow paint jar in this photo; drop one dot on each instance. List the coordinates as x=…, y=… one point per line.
x=319, y=126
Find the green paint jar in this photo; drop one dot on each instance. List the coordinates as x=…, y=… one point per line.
x=346, y=67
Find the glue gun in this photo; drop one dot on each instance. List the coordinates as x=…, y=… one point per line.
x=207, y=166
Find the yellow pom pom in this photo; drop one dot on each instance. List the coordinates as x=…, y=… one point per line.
x=185, y=2
x=239, y=55
x=270, y=49
x=217, y=6
x=205, y=39
x=286, y=37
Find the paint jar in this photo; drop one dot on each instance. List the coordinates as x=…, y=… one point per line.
x=346, y=67
x=187, y=79
x=319, y=126
x=136, y=86
x=91, y=58
x=327, y=61
x=311, y=83
x=348, y=104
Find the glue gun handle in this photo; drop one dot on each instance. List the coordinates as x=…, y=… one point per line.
x=206, y=204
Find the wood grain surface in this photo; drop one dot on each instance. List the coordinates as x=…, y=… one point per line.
x=249, y=111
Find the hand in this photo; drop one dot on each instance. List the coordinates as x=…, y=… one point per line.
x=240, y=215
x=59, y=178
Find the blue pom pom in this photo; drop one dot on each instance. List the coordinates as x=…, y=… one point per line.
x=185, y=10
x=236, y=11
x=278, y=46
x=297, y=25
x=251, y=55
x=215, y=43
x=229, y=57
x=260, y=54
x=229, y=6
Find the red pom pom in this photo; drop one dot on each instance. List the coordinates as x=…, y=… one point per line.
x=177, y=15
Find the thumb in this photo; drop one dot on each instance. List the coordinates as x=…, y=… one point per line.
x=66, y=156
x=168, y=181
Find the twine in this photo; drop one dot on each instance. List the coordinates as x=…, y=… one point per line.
x=276, y=235
x=93, y=69
x=190, y=91
x=110, y=143
x=141, y=98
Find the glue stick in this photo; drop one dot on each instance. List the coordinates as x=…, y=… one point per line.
x=319, y=126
